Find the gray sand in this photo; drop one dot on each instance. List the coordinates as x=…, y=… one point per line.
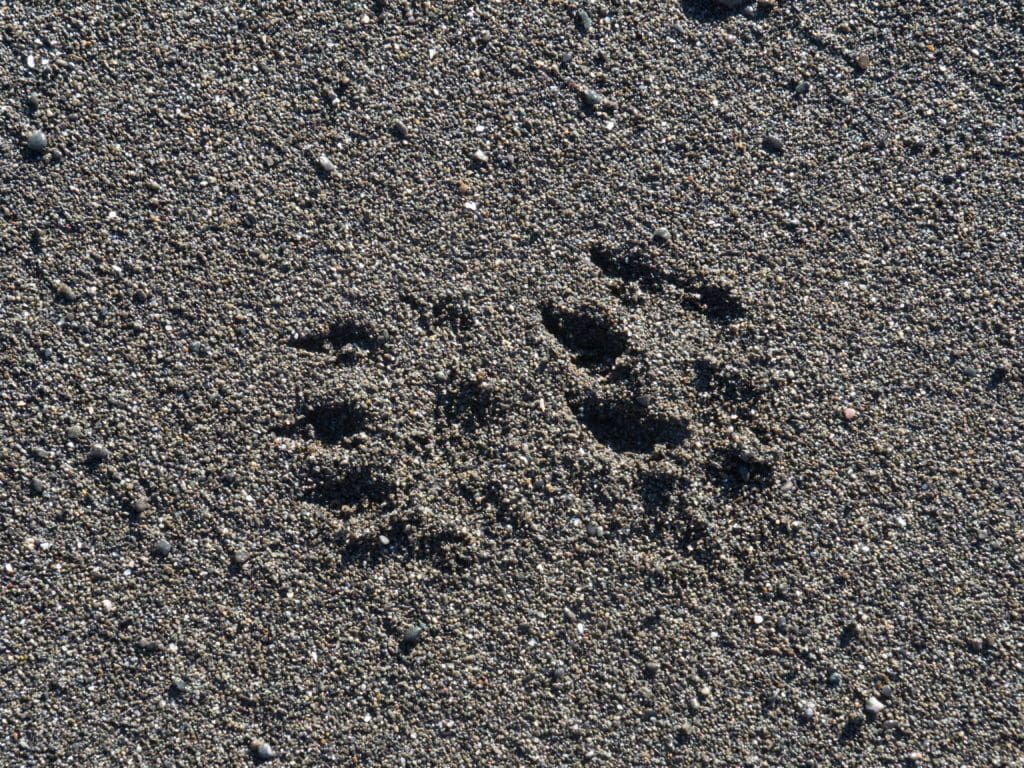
x=409, y=383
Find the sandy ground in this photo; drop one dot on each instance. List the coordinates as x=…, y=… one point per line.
x=631, y=383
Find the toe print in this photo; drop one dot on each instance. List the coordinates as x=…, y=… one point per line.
x=344, y=340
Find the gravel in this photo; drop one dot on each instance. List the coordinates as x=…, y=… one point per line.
x=595, y=453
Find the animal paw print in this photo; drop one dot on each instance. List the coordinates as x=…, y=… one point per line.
x=633, y=401
x=351, y=475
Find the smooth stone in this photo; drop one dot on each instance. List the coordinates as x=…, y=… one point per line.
x=412, y=635
x=162, y=548
x=36, y=142
x=773, y=144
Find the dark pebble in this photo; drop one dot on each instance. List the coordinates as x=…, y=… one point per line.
x=37, y=486
x=773, y=144
x=399, y=130
x=412, y=636
x=97, y=454
x=65, y=293
x=36, y=142
x=162, y=548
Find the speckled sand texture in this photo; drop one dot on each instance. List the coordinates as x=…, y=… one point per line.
x=511, y=383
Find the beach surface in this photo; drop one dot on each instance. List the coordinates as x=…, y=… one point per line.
x=529, y=384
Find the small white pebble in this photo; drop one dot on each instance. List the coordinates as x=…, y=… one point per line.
x=107, y=605
x=580, y=628
x=326, y=165
x=873, y=706
x=480, y=156
x=758, y=619
x=470, y=205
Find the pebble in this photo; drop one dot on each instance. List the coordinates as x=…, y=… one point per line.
x=480, y=156
x=75, y=432
x=873, y=706
x=412, y=636
x=835, y=679
x=177, y=686
x=807, y=709
x=239, y=557
x=863, y=61
x=802, y=88
x=651, y=669
x=583, y=21
x=65, y=292
x=37, y=485
x=162, y=548
x=661, y=234
x=851, y=631
x=325, y=165
x=96, y=454
x=849, y=414
x=773, y=144
x=261, y=750
x=36, y=142
x=400, y=130
x=591, y=97
x=140, y=505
